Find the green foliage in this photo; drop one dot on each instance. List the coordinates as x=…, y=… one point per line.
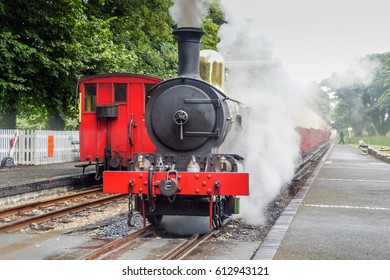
x=45, y=46
x=40, y=68
x=142, y=32
x=319, y=100
x=363, y=105
x=378, y=96
x=376, y=141
x=211, y=25
x=210, y=39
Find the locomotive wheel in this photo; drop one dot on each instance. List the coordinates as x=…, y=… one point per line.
x=155, y=219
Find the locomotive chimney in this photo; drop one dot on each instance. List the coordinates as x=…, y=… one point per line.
x=188, y=39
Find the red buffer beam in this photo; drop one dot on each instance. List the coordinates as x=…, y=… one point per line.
x=189, y=183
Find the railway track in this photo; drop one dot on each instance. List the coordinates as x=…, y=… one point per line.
x=112, y=246
x=176, y=253
x=308, y=162
x=186, y=247
x=20, y=223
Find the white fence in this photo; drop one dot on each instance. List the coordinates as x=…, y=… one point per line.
x=36, y=147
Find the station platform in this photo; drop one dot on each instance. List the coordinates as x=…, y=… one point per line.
x=341, y=213
x=24, y=179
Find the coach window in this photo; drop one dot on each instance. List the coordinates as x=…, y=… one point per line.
x=120, y=92
x=89, y=97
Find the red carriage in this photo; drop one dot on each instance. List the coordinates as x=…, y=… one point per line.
x=112, y=119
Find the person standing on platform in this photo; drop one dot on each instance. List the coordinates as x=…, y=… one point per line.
x=341, y=137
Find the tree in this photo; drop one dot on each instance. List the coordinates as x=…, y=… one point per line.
x=142, y=28
x=350, y=110
x=377, y=98
x=211, y=26
x=319, y=101
x=40, y=68
x=363, y=101
x=14, y=58
x=45, y=46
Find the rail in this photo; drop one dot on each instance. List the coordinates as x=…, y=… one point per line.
x=22, y=223
x=116, y=243
x=189, y=245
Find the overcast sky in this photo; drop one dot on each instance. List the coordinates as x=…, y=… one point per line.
x=314, y=38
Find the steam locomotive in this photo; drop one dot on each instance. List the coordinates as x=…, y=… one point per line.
x=158, y=140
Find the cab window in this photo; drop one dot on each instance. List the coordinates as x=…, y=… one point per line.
x=120, y=92
x=89, y=97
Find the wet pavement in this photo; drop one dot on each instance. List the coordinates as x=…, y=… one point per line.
x=22, y=182
x=25, y=173
x=45, y=246
x=343, y=212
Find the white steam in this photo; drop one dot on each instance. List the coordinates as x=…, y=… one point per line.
x=316, y=38
x=268, y=141
x=189, y=13
x=188, y=224
x=313, y=40
x=361, y=71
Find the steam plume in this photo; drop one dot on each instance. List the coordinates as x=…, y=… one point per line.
x=189, y=13
x=269, y=141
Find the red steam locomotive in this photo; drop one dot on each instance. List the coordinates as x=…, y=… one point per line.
x=157, y=140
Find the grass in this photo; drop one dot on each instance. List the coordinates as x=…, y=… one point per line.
x=386, y=152
x=376, y=142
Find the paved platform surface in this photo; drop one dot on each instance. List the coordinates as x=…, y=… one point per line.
x=342, y=212
x=25, y=173
x=23, y=179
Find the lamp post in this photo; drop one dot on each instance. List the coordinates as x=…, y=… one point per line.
x=349, y=134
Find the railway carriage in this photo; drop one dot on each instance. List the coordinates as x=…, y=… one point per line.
x=112, y=119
